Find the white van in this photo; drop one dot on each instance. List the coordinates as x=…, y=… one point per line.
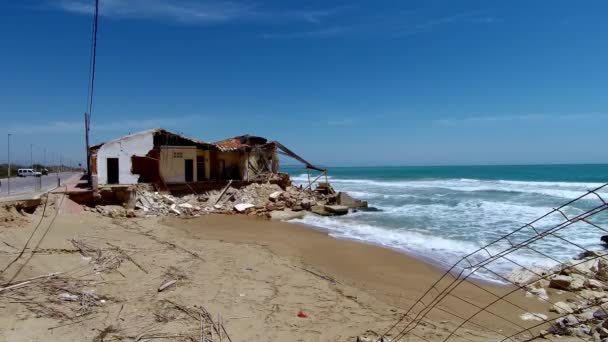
x=28, y=172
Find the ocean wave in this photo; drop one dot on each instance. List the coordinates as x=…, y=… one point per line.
x=444, y=219
x=555, y=189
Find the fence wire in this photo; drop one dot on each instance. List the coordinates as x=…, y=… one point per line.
x=499, y=322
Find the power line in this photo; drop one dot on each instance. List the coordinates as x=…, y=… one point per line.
x=93, y=60
x=89, y=109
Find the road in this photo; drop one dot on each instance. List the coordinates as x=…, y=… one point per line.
x=26, y=185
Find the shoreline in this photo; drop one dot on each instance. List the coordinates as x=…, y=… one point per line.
x=442, y=268
x=366, y=265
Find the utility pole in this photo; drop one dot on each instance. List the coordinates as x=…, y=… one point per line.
x=31, y=157
x=57, y=171
x=87, y=122
x=8, y=180
x=44, y=160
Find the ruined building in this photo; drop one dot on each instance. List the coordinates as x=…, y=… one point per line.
x=167, y=159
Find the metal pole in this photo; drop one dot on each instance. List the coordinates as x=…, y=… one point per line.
x=87, y=123
x=44, y=160
x=57, y=171
x=8, y=180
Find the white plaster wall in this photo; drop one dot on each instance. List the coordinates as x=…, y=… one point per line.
x=123, y=149
x=173, y=169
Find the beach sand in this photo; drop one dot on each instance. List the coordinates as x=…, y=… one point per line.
x=256, y=274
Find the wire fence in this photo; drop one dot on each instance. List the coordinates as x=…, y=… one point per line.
x=518, y=311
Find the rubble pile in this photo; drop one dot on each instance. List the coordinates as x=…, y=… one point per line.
x=585, y=314
x=256, y=199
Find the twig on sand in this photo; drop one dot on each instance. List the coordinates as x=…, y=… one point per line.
x=128, y=257
x=71, y=323
x=322, y=276
x=30, y=279
x=119, y=312
x=200, y=317
x=152, y=337
x=201, y=314
x=27, y=282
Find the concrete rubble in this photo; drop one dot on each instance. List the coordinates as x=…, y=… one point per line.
x=256, y=199
x=584, y=281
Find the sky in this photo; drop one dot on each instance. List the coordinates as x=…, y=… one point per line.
x=343, y=83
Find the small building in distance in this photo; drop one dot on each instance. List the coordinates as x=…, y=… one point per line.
x=163, y=158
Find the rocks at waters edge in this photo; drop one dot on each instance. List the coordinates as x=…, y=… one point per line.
x=586, y=314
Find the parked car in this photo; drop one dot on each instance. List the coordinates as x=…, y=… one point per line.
x=45, y=172
x=28, y=172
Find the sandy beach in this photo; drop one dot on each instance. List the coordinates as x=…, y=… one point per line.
x=256, y=274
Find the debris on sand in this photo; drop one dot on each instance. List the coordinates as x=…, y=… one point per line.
x=256, y=199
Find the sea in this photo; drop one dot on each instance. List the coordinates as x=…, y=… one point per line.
x=442, y=213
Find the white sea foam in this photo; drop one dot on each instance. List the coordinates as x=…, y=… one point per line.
x=444, y=219
x=556, y=189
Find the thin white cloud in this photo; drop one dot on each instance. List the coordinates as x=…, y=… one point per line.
x=459, y=18
x=491, y=119
x=75, y=127
x=317, y=33
x=180, y=10
x=342, y=122
x=392, y=24
x=194, y=11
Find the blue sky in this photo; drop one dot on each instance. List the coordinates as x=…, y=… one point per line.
x=341, y=82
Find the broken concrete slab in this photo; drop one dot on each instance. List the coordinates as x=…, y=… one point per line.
x=286, y=215
x=337, y=209
x=275, y=196
x=345, y=199
x=241, y=207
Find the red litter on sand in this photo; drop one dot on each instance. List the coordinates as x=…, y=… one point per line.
x=301, y=314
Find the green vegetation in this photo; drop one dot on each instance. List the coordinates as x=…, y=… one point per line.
x=4, y=170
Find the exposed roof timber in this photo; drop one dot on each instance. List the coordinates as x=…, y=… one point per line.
x=241, y=143
x=285, y=151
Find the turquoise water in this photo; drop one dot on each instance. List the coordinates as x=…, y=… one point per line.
x=444, y=212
